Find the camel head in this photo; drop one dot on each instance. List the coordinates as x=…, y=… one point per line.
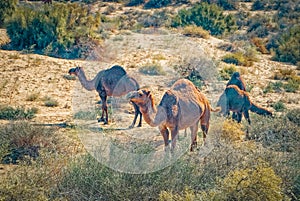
x=140, y=97
x=236, y=75
x=75, y=71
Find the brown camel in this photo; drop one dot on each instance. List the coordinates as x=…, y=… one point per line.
x=239, y=101
x=181, y=107
x=110, y=82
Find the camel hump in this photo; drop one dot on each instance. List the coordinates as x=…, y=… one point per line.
x=117, y=70
x=170, y=102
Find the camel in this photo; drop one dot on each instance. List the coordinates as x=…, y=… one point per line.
x=239, y=101
x=110, y=82
x=182, y=106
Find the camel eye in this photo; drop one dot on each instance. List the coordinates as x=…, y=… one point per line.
x=140, y=95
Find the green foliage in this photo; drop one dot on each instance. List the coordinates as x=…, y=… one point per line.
x=292, y=85
x=279, y=106
x=135, y=2
x=225, y=4
x=288, y=46
x=157, y=3
x=11, y=113
x=59, y=30
x=209, y=17
x=7, y=9
x=273, y=87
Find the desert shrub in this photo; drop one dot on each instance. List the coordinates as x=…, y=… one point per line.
x=209, y=17
x=63, y=30
x=232, y=131
x=238, y=58
x=257, y=183
x=273, y=87
x=227, y=71
x=157, y=3
x=284, y=74
x=225, y=4
x=258, y=26
x=292, y=85
x=194, y=31
x=288, y=46
x=152, y=69
x=33, y=97
x=158, y=18
x=260, y=44
x=21, y=139
x=86, y=115
x=50, y=102
x=294, y=116
x=11, y=113
x=279, y=106
x=7, y=9
x=135, y=2
x=278, y=134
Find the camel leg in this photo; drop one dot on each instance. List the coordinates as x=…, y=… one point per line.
x=174, y=134
x=165, y=133
x=246, y=114
x=194, y=130
x=136, y=113
x=239, y=117
x=103, y=97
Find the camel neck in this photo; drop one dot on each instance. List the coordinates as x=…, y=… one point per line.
x=152, y=115
x=87, y=84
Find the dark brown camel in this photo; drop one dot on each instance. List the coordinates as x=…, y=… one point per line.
x=110, y=82
x=181, y=107
x=239, y=101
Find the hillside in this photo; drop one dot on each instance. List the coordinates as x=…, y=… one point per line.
x=62, y=152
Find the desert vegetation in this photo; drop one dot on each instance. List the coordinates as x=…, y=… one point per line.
x=42, y=155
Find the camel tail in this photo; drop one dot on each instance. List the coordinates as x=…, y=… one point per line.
x=217, y=109
x=259, y=110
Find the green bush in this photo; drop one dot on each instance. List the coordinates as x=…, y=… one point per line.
x=7, y=9
x=157, y=3
x=11, y=113
x=288, y=46
x=61, y=30
x=294, y=116
x=209, y=17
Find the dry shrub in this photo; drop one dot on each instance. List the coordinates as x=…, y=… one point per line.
x=260, y=44
x=284, y=74
x=232, y=131
x=195, y=31
x=256, y=183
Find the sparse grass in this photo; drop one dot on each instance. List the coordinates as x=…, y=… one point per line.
x=50, y=102
x=292, y=85
x=18, y=113
x=33, y=97
x=195, y=31
x=21, y=139
x=273, y=87
x=152, y=69
x=86, y=115
x=294, y=116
